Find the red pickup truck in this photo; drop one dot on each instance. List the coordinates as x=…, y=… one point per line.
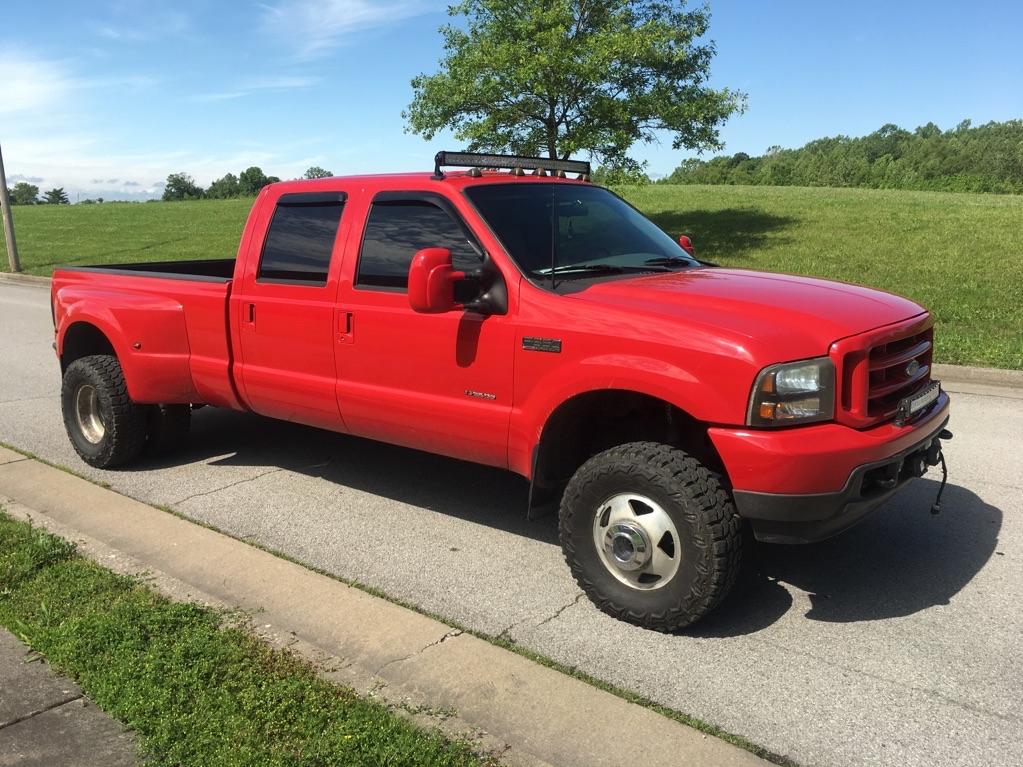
x=516, y=315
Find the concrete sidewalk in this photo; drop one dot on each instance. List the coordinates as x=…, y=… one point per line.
x=45, y=721
x=526, y=713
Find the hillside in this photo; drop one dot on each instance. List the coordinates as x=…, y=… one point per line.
x=986, y=158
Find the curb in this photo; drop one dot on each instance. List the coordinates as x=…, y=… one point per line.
x=534, y=714
x=958, y=374
x=18, y=278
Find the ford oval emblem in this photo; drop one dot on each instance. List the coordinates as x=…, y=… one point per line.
x=911, y=368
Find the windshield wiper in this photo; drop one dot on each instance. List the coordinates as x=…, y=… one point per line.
x=670, y=261
x=598, y=269
x=569, y=268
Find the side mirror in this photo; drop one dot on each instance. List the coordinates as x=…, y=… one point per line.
x=687, y=245
x=431, y=282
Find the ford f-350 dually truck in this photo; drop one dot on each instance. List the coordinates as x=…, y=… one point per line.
x=516, y=315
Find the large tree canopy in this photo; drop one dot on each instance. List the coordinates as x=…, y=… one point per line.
x=564, y=77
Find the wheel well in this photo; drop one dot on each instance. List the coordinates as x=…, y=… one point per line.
x=595, y=421
x=83, y=340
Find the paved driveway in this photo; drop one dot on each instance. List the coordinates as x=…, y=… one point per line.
x=897, y=643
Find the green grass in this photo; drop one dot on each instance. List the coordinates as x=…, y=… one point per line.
x=52, y=235
x=960, y=255
x=196, y=691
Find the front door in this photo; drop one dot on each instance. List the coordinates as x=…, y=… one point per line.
x=441, y=382
x=284, y=312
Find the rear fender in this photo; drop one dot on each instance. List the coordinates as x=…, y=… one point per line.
x=147, y=332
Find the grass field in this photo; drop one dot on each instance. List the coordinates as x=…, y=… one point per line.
x=194, y=690
x=961, y=255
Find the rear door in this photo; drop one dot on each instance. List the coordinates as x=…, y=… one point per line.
x=437, y=382
x=284, y=310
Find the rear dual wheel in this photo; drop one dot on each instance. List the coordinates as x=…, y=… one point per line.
x=105, y=426
x=650, y=535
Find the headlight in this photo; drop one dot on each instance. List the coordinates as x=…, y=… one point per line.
x=792, y=393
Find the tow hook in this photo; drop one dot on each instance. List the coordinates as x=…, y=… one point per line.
x=933, y=458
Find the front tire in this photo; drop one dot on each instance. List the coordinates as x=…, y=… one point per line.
x=650, y=535
x=105, y=427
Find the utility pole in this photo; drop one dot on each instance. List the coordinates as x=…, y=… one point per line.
x=5, y=209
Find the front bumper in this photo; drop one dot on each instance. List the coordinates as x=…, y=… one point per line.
x=805, y=484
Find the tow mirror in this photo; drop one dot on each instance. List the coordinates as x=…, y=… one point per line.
x=687, y=245
x=431, y=282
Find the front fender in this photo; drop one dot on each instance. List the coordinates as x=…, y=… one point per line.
x=684, y=388
x=147, y=333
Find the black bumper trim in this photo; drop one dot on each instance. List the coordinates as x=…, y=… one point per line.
x=808, y=518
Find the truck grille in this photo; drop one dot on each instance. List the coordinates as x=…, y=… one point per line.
x=896, y=370
x=876, y=369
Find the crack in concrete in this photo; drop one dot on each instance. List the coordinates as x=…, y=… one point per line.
x=948, y=699
x=31, y=714
x=503, y=635
x=227, y=486
x=561, y=609
x=449, y=635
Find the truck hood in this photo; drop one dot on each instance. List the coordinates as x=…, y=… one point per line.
x=801, y=315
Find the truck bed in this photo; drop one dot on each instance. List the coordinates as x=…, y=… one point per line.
x=207, y=270
x=168, y=322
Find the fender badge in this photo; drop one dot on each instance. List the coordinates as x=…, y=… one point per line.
x=479, y=394
x=537, y=344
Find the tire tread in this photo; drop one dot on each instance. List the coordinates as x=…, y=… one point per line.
x=699, y=493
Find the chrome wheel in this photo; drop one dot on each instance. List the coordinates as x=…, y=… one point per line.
x=637, y=541
x=88, y=414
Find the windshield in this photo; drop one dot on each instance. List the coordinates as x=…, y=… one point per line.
x=557, y=232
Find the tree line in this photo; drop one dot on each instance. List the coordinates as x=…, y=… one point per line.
x=985, y=158
x=180, y=186
x=24, y=193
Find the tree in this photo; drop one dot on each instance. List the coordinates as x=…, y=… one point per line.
x=561, y=77
x=24, y=193
x=181, y=186
x=57, y=197
x=252, y=180
x=224, y=188
x=317, y=172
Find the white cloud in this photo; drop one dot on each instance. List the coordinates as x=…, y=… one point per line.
x=134, y=23
x=248, y=87
x=312, y=28
x=31, y=84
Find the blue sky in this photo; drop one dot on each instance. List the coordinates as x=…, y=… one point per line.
x=108, y=97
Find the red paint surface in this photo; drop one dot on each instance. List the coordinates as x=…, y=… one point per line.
x=362, y=361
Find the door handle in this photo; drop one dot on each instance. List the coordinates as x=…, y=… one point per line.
x=346, y=328
x=252, y=314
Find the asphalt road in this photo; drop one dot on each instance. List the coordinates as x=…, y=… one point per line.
x=896, y=643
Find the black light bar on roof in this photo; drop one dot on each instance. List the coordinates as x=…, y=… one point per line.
x=509, y=161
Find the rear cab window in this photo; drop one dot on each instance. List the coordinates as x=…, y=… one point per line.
x=300, y=239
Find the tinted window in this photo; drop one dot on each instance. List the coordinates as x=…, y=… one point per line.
x=574, y=231
x=299, y=242
x=397, y=229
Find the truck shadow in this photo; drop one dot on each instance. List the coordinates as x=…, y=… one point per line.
x=447, y=486
x=897, y=562
x=728, y=232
